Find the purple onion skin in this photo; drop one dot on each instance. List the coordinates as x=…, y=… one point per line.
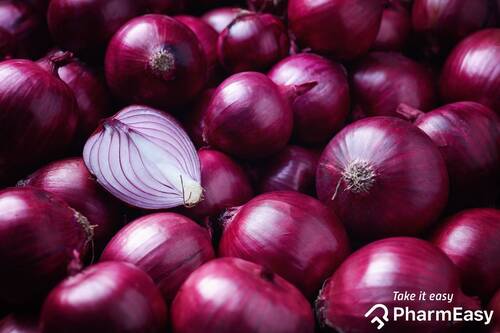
x=193, y=121
x=343, y=29
x=19, y=323
x=495, y=307
x=289, y=233
x=41, y=237
x=252, y=42
x=106, y=297
x=276, y=7
x=248, y=117
x=219, y=18
x=471, y=239
x=372, y=274
x=178, y=74
x=224, y=181
x=167, y=246
x=470, y=70
x=383, y=177
x=395, y=28
x=322, y=110
x=243, y=297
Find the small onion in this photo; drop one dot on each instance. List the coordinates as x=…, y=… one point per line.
x=19, y=323
x=167, y=246
x=41, y=240
x=248, y=117
x=383, y=176
x=290, y=233
x=276, y=7
x=471, y=70
x=471, y=239
x=156, y=60
x=372, y=274
x=193, y=121
x=252, y=42
x=495, y=307
x=106, y=297
x=219, y=18
x=395, y=27
x=143, y=157
x=468, y=136
x=230, y=295
x=344, y=29
x=321, y=110
x=381, y=81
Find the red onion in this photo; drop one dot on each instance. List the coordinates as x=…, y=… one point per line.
x=276, y=7
x=289, y=233
x=19, y=323
x=468, y=136
x=167, y=246
x=252, y=42
x=38, y=116
x=381, y=81
x=106, y=297
x=470, y=72
x=193, y=120
x=143, y=157
x=471, y=239
x=344, y=29
x=219, y=18
x=41, y=238
x=156, y=60
x=70, y=180
x=248, y=117
x=383, y=176
x=232, y=295
x=372, y=274
x=320, y=111
x=395, y=27
x=495, y=307
x=224, y=182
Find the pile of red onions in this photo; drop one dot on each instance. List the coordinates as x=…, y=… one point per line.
x=19, y=323
x=219, y=18
x=164, y=70
x=106, y=297
x=321, y=109
x=395, y=27
x=372, y=274
x=233, y=295
x=290, y=233
x=143, y=157
x=472, y=241
x=42, y=239
x=383, y=176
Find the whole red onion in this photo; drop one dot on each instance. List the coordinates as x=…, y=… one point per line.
x=471, y=239
x=38, y=116
x=156, y=60
x=495, y=307
x=106, y=297
x=19, y=323
x=41, y=239
x=468, y=136
x=372, y=274
x=276, y=7
x=193, y=121
x=219, y=18
x=321, y=110
x=395, y=27
x=471, y=70
x=252, y=42
x=167, y=246
x=70, y=180
x=229, y=295
x=381, y=81
x=383, y=176
x=290, y=233
x=343, y=29
x=248, y=117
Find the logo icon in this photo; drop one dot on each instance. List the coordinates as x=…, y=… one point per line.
x=376, y=319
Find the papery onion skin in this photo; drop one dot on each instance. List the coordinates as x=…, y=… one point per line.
x=372, y=274
x=106, y=297
x=320, y=111
x=383, y=80
x=42, y=239
x=19, y=323
x=495, y=307
x=470, y=71
x=143, y=157
x=290, y=233
x=167, y=246
x=166, y=69
x=219, y=18
x=230, y=295
x=471, y=239
x=248, y=117
x=38, y=117
x=342, y=29
x=193, y=121
x=70, y=180
x=252, y=42
x=383, y=177
x=395, y=27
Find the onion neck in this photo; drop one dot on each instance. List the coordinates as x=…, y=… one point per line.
x=359, y=177
x=53, y=62
x=76, y=265
x=294, y=91
x=162, y=64
x=409, y=113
